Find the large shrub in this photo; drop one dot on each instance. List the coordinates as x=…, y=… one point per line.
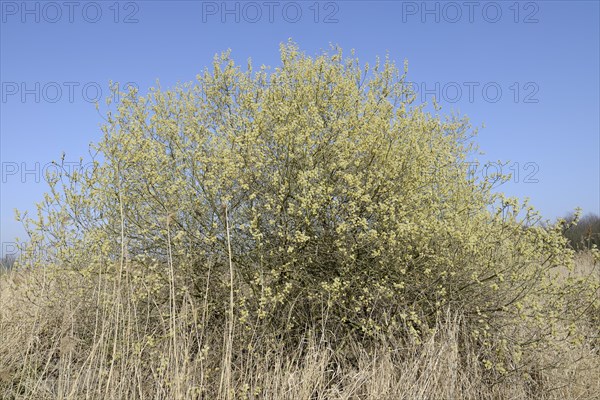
x=327, y=196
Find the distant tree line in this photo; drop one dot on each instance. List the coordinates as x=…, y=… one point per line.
x=582, y=234
x=7, y=261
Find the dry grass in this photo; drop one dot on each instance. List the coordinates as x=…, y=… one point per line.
x=65, y=336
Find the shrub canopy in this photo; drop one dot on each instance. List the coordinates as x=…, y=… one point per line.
x=339, y=191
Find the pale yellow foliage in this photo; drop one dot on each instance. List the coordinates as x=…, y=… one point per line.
x=314, y=196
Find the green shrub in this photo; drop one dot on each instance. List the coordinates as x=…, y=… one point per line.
x=340, y=193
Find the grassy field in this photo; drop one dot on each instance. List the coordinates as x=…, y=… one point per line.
x=69, y=336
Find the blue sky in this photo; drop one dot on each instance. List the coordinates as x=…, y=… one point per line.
x=528, y=70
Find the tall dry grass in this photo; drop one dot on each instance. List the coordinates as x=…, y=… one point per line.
x=64, y=335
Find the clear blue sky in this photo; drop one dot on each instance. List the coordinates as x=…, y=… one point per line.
x=543, y=56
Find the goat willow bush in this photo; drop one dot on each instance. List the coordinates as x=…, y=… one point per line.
x=340, y=194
